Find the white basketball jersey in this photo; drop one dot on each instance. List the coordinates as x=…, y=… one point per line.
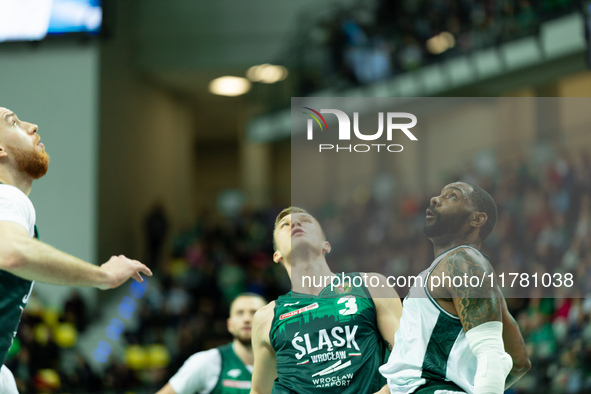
x=430, y=344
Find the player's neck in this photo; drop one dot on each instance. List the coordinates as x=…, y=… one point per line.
x=243, y=351
x=444, y=243
x=310, y=276
x=20, y=181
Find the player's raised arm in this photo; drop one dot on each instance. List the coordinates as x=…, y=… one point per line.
x=515, y=346
x=480, y=311
x=388, y=308
x=265, y=363
x=31, y=259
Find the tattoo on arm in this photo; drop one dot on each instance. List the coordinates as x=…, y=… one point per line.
x=476, y=311
x=475, y=305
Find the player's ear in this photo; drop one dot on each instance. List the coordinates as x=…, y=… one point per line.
x=478, y=219
x=229, y=324
x=277, y=256
x=326, y=247
x=3, y=151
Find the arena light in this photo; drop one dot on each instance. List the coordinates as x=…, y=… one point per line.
x=267, y=73
x=449, y=38
x=229, y=86
x=440, y=43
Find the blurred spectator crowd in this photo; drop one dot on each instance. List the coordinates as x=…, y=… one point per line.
x=362, y=44
x=43, y=356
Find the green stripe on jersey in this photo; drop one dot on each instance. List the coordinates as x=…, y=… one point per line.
x=442, y=340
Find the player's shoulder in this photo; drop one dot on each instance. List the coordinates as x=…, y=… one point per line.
x=196, y=370
x=12, y=197
x=465, y=254
x=265, y=313
x=378, y=286
x=464, y=259
x=374, y=280
x=13, y=192
x=376, y=275
x=204, y=357
x=262, y=322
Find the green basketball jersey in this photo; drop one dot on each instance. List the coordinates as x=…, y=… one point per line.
x=327, y=343
x=235, y=378
x=15, y=206
x=15, y=295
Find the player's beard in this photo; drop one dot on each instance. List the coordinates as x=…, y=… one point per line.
x=442, y=225
x=246, y=340
x=34, y=164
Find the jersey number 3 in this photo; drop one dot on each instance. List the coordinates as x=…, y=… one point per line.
x=350, y=305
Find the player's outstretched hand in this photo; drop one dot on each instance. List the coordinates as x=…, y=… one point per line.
x=119, y=269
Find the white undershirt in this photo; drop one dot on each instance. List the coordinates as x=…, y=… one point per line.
x=16, y=207
x=200, y=373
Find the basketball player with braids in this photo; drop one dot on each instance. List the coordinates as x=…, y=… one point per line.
x=319, y=338
x=457, y=339
x=24, y=259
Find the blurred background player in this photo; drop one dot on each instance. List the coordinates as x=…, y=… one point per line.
x=24, y=259
x=122, y=89
x=315, y=339
x=225, y=369
x=457, y=339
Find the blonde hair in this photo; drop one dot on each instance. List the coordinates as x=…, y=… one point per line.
x=289, y=211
